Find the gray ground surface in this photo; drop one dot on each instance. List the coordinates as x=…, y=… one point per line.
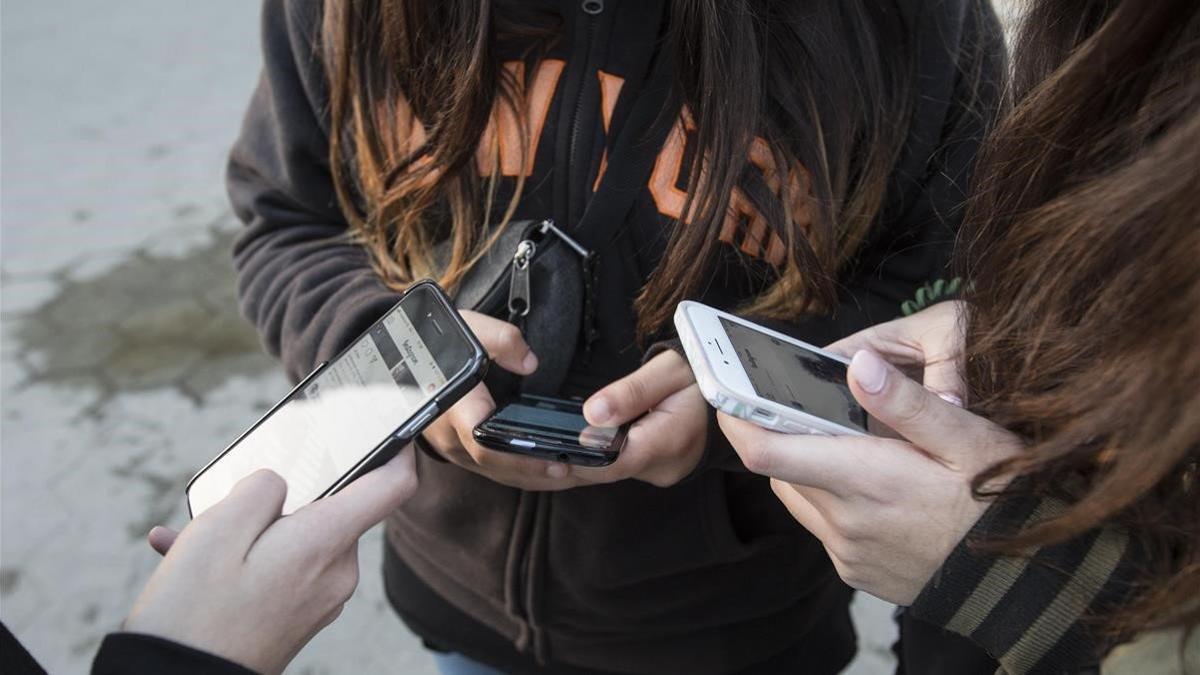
x=124, y=363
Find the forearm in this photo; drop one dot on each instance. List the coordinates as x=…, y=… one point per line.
x=308, y=290
x=308, y=295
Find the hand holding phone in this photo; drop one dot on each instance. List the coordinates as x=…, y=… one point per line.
x=451, y=436
x=869, y=499
x=254, y=588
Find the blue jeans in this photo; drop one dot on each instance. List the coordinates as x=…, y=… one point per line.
x=449, y=663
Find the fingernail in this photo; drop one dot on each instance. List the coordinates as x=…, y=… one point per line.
x=530, y=363
x=870, y=371
x=598, y=411
x=557, y=470
x=952, y=399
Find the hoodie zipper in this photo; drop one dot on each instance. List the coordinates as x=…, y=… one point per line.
x=526, y=582
x=593, y=9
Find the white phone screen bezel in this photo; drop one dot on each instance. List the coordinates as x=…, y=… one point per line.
x=729, y=378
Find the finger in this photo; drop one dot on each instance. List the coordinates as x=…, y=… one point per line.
x=503, y=342
x=827, y=462
x=368, y=499
x=467, y=414
x=946, y=432
x=803, y=510
x=931, y=339
x=944, y=378
x=631, y=396
x=161, y=538
x=252, y=505
x=641, y=443
x=511, y=467
x=442, y=437
x=890, y=339
x=447, y=432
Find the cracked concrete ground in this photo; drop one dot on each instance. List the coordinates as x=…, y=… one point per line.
x=124, y=363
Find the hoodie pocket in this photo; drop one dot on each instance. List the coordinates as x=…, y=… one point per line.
x=744, y=518
x=724, y=539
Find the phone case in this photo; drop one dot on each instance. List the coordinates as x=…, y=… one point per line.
x=497, y=437
x=553, y=452
x=454, y=390
x=763, y=412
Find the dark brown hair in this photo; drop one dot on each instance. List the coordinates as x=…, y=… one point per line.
x=1083, y=247
x=825, y=84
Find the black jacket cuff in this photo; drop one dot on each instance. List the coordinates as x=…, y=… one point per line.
x=130, y=653
x=1030, y=613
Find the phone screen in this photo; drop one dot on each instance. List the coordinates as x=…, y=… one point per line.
x=799, y=378
x=559, y=420
x=328, y=426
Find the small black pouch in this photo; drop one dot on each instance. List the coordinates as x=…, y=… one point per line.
x=538, y=278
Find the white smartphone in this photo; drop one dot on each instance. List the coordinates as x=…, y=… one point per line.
x=768, y=378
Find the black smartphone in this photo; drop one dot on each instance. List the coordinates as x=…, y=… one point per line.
x=552, y=429
x=356, y=411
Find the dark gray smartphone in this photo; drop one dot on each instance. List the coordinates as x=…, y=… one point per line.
x=356, y=411
x=552, y=429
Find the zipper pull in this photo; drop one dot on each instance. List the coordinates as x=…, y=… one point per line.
x=518, y=285
x=549, y=226
x=593, y=7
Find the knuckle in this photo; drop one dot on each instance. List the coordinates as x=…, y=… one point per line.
x=668, y=478
x=851, y=577
x=659, y=481
x=337, y=612
x=847, y=572
x=407, y=485
x=345, y=582
x=911, y=407
x=508, y=339
x=481, y=456
x=845, y=523
x=634, y=391
x=756, y=458
x=332, y=615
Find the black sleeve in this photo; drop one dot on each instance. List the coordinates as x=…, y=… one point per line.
x=1031, y=613
x=16, y=659
x=135, y=653
x=960, y=61
x=306, y=288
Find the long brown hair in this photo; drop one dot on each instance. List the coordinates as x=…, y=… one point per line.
x=825, y=84
x=1083, y=246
